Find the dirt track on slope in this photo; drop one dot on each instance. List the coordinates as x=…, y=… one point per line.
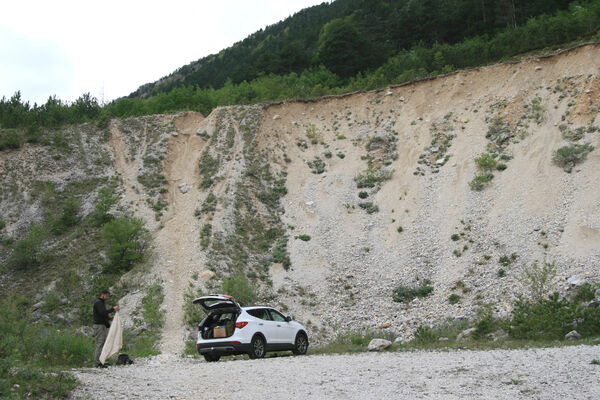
x=553, y=373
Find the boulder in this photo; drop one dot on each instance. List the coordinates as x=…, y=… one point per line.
x=84, y=331
x=573, y=335
x=37, y=306
x=201, y=132
x=399, y=340
x=184, y=188
x=464, y=335
x=276, y=117
x=443, y=339
x=597, y=295
x=592, y=304
x=64, y=302
x=173, y=133
x=576, y=281
x=385, y=325
x=379, y=344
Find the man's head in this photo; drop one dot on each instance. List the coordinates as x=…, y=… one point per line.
x=105, y=294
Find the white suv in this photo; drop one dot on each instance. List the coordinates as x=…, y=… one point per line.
x=231, y=329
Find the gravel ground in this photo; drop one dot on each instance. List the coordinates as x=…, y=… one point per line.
x=550, y=373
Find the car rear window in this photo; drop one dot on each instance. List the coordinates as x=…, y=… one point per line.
x=259, y=313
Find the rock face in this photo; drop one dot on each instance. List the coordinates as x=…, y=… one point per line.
x=464, y=335
x=573, y=335
x=379, y=344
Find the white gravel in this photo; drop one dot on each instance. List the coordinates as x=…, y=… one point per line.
x=550, y=373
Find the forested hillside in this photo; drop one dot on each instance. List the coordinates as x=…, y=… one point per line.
x=350, y=36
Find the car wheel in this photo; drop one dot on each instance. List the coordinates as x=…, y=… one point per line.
x=211, y=357
x=257, y=347
x=301, y=344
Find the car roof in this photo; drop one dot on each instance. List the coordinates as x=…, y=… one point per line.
x=256, y=307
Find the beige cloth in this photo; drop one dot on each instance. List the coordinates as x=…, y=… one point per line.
x=114, y=340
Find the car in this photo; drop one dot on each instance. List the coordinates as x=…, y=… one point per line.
x=229, y=329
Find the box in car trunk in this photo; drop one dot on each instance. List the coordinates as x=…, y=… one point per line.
x=224, y=330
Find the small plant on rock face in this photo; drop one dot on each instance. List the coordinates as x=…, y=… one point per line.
x=363, y=195
x=304, y=238
x=455, y=237
x=539, y=279
x=454, y=298
x=400, y=229
x=485, y=162
x=480, y=181
x=369, y=207
x=317, y=166
x=406, y=293
x=568, y=156
x=425, y=334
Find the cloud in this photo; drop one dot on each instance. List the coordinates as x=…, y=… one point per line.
x=37, y=68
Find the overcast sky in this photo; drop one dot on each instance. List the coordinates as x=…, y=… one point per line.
x=109, y=48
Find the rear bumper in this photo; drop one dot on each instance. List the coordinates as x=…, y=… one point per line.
x=223, y=348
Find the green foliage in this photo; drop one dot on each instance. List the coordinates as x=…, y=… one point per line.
x=151, y=302
x=239, y=288
x=205, y=234
x=454, y=298
x=485, y=162
x=10, y=139
x=455, y=237
x=485, y=325
x=210, y=204
x=67, y=218
x=568, y=156
x=192, y=314
x=363, y=195
x=280, y=253
x=352, y=342
x=369, y=207
x=544, y=318
x=106, y=200
x=585, y=293
x=304, y=238
x=425, y=334
x=371, y=177
x=407, y=293
x=537, y=112
x=317, y=166
x=128, y=240
x=481, y=181
x=400, y=229
x=539, y=279
x=27, y=253
x=2, y=224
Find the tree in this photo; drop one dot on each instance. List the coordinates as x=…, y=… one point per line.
x=342, y=48
x=128, y=240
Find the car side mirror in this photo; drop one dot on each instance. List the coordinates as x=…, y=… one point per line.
x=288, y=319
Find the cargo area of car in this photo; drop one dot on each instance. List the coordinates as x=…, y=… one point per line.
x=218, y=324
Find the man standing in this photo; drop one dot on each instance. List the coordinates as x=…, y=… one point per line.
x=101, y=324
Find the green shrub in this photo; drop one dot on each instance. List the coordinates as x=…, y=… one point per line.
x=10, y=139
x=501, y=166
x=481, y=181
x=240, y=289
x=485, y=325
x=106, y=200
x=454, y=298
x=369, y=207
x=68, y=216
x=305, y=238
x=363, y=194
x=192, y=313
x=209, y=205
x=341, y=155
x=542, y=319
x=400, y=229
x=27, y=253
x=485, y=162
x=407, y=293
x=538, y=279
x=425, y=335
x=317, y=166
x=568, y=156
x=501, y=273
x=455, y=237
x=280, y=253
x=151, y=302
x=2, y=224
x=128, y=240
x=205, y=234
x=371, y=177
x=585, y=293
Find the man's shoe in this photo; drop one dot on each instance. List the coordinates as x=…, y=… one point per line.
x=101, y=366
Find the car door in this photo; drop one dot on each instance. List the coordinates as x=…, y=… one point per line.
x=284, y=332
x=265, y=325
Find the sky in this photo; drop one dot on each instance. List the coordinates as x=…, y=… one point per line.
x=110, y=48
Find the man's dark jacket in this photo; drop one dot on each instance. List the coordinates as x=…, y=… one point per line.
x=101, y=313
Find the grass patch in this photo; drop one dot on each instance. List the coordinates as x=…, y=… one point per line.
x=369, y=207
x=480, y=182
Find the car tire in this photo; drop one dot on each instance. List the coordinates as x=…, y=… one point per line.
x=211, y=357
x=257, y=347
x=300, y=344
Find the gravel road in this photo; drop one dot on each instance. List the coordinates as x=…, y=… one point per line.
x=550, y=373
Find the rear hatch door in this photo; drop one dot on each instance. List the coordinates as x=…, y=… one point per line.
x=214, y=302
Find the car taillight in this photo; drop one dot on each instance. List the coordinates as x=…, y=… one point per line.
x=240, y=325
